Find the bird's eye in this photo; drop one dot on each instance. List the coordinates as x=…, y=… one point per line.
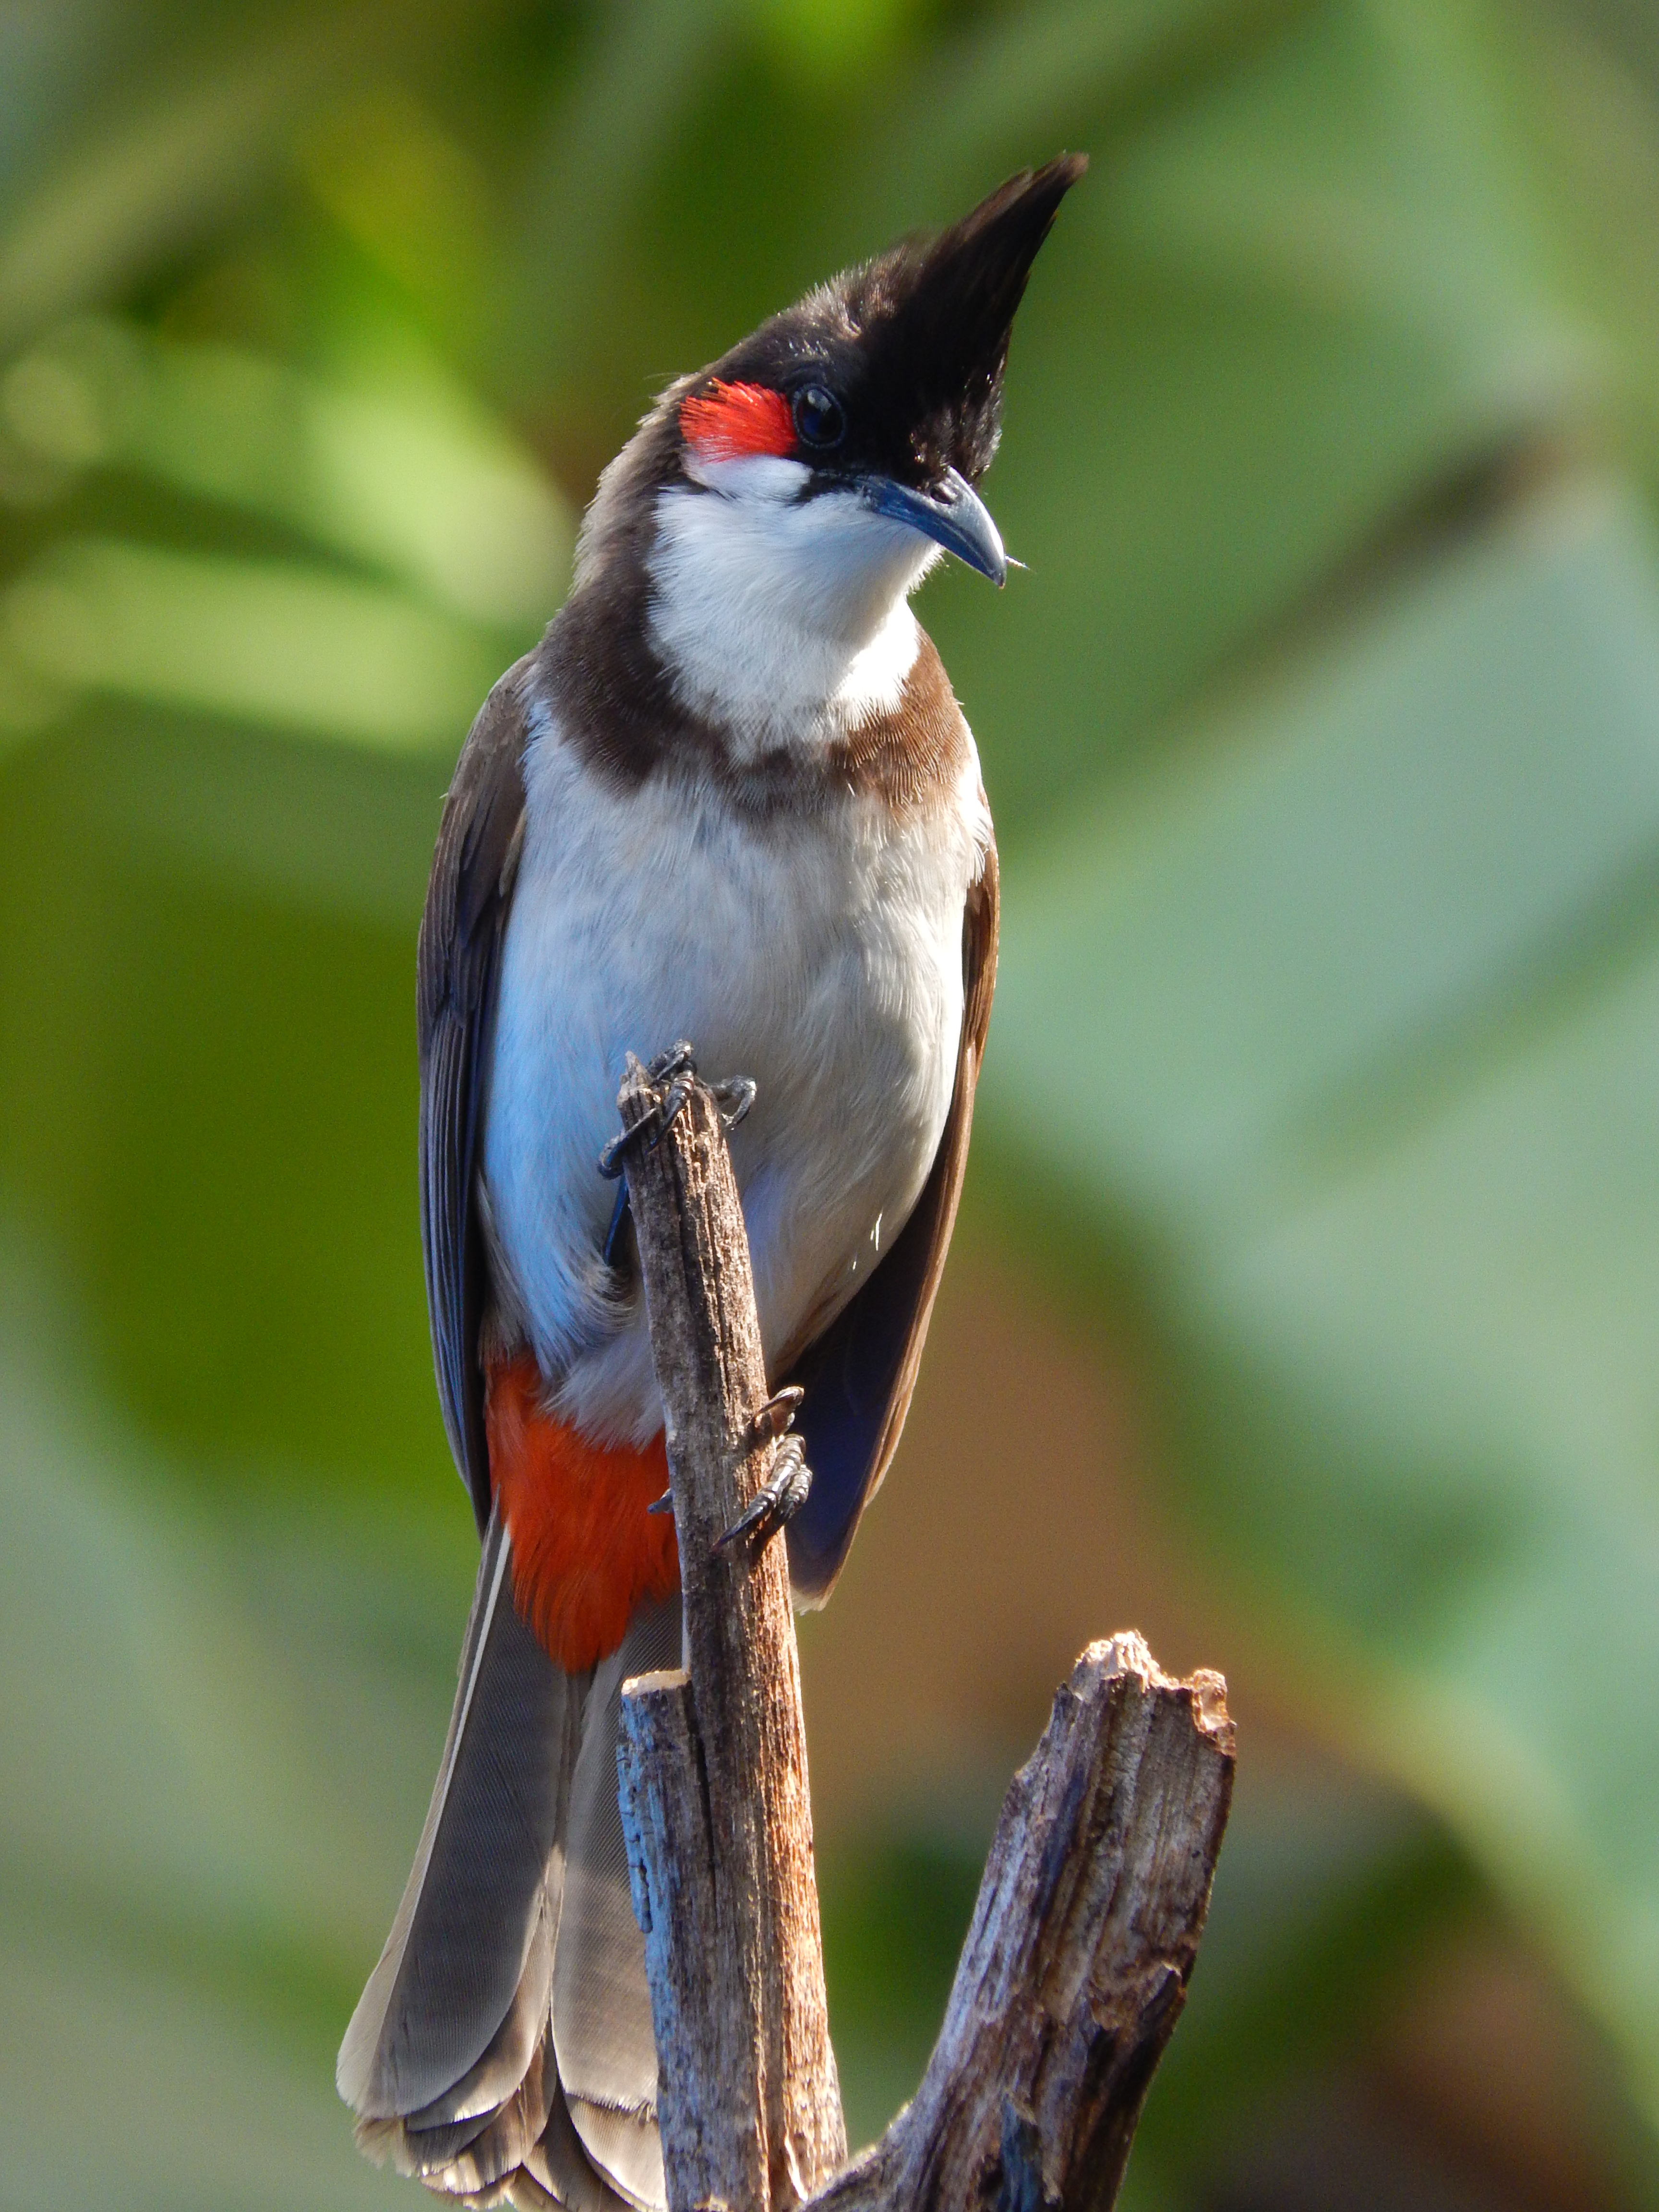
x=820, y=418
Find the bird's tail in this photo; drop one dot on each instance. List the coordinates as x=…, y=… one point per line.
x=503, y=2051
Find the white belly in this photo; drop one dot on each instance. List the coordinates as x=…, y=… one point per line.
x=821, y=957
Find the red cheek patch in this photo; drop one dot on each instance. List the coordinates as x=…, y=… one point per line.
x=729, y=420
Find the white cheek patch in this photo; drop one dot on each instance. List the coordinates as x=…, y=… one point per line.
x=766, y=476
x=784, y=618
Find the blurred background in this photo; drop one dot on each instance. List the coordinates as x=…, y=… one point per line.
x=1305, y=1311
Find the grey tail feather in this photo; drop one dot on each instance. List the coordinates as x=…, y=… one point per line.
x=602, y=2031
x=509, y=1963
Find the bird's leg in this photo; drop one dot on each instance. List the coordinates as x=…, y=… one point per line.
x=776, y=1502
x=733, y=1097
x=619, y=1229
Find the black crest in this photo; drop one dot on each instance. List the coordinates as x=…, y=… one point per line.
x=914, y=343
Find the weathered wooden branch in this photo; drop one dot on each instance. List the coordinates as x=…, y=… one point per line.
x=713, y=1770
x=1094, y=1895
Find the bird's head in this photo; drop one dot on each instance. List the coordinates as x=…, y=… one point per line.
x=799, y=488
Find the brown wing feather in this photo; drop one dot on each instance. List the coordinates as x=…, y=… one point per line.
x=935, y=1215
x=457, y=965
x=859, y=1374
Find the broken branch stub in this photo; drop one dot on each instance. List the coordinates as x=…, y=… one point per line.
x=1077, y=1960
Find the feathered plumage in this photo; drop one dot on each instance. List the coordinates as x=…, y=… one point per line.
x=730, y=797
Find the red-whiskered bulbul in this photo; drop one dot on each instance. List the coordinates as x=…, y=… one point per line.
x=729, y=798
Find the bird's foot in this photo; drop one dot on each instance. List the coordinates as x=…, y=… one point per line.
x=732, y=1099
x=663, y=1504
x=676, y=1069
x=776, y=1502
x=613, y=1159
x=679, y=1060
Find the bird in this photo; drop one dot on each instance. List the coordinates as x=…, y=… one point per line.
x=730, y=797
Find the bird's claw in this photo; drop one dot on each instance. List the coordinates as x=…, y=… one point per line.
x=671, y=1107
x=670, y=1067
x=679, y=1060
x=733, y=1097
x=777, y=1415
x=663, y=1504
x=777, y=1501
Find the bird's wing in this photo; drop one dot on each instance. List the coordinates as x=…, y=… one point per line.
x=860, y=1374
x=458, y=964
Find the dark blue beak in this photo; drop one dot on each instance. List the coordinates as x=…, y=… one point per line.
x=951, y=513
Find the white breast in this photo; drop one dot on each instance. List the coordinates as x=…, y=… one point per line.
x=822, y=957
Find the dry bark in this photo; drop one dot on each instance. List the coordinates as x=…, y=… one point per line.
x=1076, y=1964
x=714, y=1769
x=1093, y=1900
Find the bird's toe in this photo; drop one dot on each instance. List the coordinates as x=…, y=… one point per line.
x=776, y=1504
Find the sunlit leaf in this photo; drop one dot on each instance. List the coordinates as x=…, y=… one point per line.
x=118, y=204
x=403, y=469
x=405, y=190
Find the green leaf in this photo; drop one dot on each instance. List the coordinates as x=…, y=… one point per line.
x=402, y=468
x=259, y=641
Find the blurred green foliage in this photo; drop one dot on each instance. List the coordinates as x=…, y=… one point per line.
x=1324, y=744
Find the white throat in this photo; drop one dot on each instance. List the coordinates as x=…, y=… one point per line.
x=787, y=621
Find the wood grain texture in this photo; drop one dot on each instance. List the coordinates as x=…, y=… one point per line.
x=1076, y=1965
x=712, y=1767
